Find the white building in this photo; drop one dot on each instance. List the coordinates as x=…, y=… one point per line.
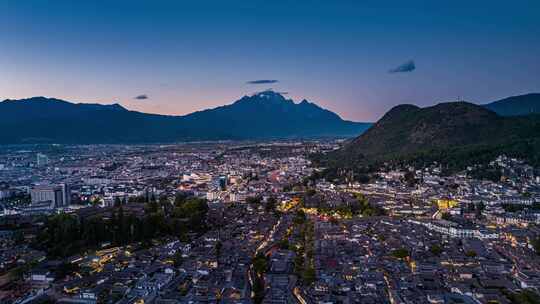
x=57, y=195
x=42, y=159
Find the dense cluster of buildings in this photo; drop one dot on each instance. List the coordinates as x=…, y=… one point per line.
x=408, y=235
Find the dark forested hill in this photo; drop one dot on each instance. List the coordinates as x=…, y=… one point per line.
x=455, y=133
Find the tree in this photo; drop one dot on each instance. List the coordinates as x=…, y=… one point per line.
x=536, y=245
x=436, y=249
x=218, y=247
x=178, y=259
x=299, y=261
x=364, y=208
x=260, y=263
x=151, y=207
x=258, y=290
x=479, y=208
x=137, y=199
x=253, y=200
x=299, y=217
x=284, y=244
x=18, y=237
x=67, y=234
x=95, y=201
x=117, y=201
x=194, y=211
x=260, y=266
x=65, y=269
x=400, y=253
x=271, y=203
x=363, y=178
x=180, y=198
x=446, y=216
x=309, y=275
x=527, y=296
x=470, y=253
x=410, y=178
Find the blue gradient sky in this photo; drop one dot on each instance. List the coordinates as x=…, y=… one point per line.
x=191, y=55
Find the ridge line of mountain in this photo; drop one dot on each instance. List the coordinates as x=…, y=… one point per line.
x=262, y=115
x=456, y=134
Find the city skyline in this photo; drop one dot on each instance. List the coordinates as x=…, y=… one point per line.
x=269, y=152
x=357, y=60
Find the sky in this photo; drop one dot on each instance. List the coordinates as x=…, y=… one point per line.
x=356, y=58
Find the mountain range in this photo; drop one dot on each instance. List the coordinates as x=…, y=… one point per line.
x=404, y=130
x=457, y=134
x=263, y=115
x=516, y=105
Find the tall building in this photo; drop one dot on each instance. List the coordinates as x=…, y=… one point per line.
x=219, y=182
x=222, y=183
x=66, y=193
x=6, y=192
x=42, y=160
x=56, y=195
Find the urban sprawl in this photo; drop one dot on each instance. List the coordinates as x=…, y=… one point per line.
x=256, y=222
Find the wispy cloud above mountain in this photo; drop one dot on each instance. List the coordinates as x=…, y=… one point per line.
x=406, y=67
x=262, y=81
x=141, y=97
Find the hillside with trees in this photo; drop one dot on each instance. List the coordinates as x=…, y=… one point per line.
x=455, y=134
